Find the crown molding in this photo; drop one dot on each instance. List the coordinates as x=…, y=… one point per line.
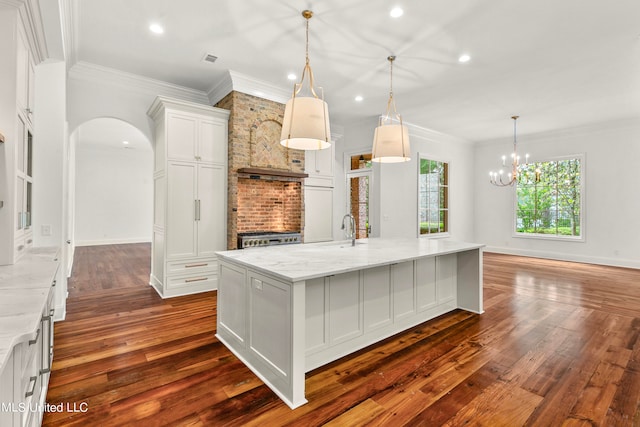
x=69, y=23
x=220, y=89
x=85, y=71
x=162, y=103
x=430, y=135
x=239, y=82
x=627, y=123
x=31, y=17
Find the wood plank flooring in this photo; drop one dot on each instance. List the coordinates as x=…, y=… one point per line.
x=557, y=346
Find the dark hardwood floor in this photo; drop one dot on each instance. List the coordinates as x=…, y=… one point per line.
x=557, y=345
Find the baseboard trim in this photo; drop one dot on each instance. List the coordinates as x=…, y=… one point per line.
x=560, y=256
x=112, y=241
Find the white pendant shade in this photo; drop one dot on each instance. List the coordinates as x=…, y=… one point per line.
x=306, y=124
x=391, y=144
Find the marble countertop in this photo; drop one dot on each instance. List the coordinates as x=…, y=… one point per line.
x=24, y=288
x=294, y=263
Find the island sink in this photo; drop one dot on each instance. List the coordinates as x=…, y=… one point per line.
x=286, y=310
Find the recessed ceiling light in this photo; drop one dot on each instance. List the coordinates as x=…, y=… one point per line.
x=156, y=28
x=359, y=98
x=396, y=12
x=464, y=58
x=125, y=142
x=291, y=76
x=258, y=93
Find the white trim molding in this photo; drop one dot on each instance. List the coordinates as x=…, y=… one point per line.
x=238, y=82
x=563, y=256
x=86, y=71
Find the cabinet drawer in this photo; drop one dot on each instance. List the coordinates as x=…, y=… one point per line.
x=191, y=267
x=201, y=282
x=20, y=247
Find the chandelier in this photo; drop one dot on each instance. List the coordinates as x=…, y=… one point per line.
x=306, y=118
x=391, y=141
x=499, y=178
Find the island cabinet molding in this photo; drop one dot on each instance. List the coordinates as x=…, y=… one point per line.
x=190, y=181
x=284, y=312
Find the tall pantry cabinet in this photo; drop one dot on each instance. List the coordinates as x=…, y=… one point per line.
x=190, y=180
x=16, y=114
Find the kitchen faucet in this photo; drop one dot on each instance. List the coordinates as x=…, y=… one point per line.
x=352, y=228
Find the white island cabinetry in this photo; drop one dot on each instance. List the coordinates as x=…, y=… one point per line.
x=285, y=311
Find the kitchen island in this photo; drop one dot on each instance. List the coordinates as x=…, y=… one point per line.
x=285, y=310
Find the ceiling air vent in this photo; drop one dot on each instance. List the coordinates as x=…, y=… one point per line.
x=210, y=58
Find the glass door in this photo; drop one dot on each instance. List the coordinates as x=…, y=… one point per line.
x=359, y=202
x=359, y=178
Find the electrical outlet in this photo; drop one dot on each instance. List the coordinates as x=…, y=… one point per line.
x=45, y=230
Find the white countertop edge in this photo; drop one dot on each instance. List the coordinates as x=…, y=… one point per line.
x=243, y=257
x=25, y=284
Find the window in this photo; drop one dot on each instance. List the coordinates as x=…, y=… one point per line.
x=552, y=205
x=433, y=196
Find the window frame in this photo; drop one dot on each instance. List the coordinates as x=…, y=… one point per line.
x=582, y=237
x=443, y=234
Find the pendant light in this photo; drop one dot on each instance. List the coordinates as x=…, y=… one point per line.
x=306, y=118
x=391, y=141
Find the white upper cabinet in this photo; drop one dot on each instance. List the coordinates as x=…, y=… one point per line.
x=24, y=76
x=319, y=164
x=195, y=138
x=209, y=149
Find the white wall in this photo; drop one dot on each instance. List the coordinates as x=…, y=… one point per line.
x=612, y=200
x=396, y=185
x=48, y=152
x=97, y=92
x=114, y=195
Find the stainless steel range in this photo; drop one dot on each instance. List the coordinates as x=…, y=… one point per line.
x=267, y=238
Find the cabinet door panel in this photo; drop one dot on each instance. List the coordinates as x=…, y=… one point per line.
x=181, y=134
x=446, y=266
x=20, y=202
x=181, y=224
x=232, y=297
x=426, y=283
x=269, y=310
x=211, y=225
x=318, y=210
x=315, y=315
x=403, y=290
x=21, y=145
x=345, y=307
x=22, y=72
x=377, y=297
x=212, y=143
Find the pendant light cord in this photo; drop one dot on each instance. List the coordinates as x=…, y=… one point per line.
x=307, y=14
x=391, y=103
x=307, y=44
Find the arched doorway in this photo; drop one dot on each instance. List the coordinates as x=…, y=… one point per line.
x=110, y=184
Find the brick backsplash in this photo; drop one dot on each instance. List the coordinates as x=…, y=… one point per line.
x=268, y=205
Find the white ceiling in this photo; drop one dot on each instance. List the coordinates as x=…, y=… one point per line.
x=556, y=63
